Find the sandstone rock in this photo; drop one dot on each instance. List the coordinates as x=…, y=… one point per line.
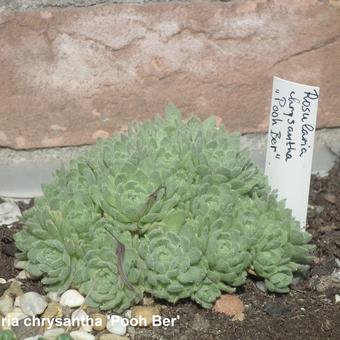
x=53, y=310
x=75, y=74
x=229, y=304
x=145, y=313
x=100, y=321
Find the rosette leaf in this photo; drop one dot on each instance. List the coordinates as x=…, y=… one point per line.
x=175, y=263
x=227, y=256
x=50, y=259
x=112, y=279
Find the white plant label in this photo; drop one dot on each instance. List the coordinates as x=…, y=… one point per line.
x=290, y=143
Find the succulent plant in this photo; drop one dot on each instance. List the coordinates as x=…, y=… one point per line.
x=7, y=335
x=173, y=207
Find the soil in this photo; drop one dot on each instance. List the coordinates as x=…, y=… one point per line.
x=309, y=311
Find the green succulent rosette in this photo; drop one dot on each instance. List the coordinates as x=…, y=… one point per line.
x=190, y=209
x=7, y=335
x=228, y=257
x=108, y=281
x=207, y=293
x=136, y=200
x=175, y=263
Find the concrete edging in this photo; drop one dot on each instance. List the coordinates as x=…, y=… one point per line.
x=23, y=172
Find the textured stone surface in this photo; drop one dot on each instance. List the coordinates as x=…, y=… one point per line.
x=69, y=76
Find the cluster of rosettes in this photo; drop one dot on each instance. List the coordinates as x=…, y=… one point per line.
x=173, y=208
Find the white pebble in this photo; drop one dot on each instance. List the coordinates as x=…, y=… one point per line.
x=337, y=298
x=86, y=328
x=72, y=298
x=20, y=264
x=79, y=315
x=81, y=335
x=33, y=303
x=54, y=332
x=2, y=281
x=6, y=305
x=23, y=275
x=9, y=213
x=13, y=317
x=116, y=325
x=37, y=337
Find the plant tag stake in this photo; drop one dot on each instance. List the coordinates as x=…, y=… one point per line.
x=290, y=143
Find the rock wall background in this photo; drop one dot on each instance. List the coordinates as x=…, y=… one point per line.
x=70, y=75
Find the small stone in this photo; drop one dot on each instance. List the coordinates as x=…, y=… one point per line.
x=199, y=323
x=72, y=298
x=145, y=313
x=276, y=309
x=20, y=264
x=261, y=286
x=86, y=328
x=328, y=228
x=148, y=301
x=53, y=310
x=12, y=318
x=81, y=335
x=92, y=310
x=14, y=289
x=229, y=304
x=9, y=213
x=33, y=303
x=116, y=325
x=131, y=332
x=37, y=337
x=319, y=209
x=67, y=311
x=110, y=336
x=17, y=302
x=23, y=330
x=53, y=297
x=238, y=317
x=337, y=261
x=128, y=314
x=99, y=321
x=331, y=198
x=6, y=304
x=81, y=317
x=54, y=332
x=23, y=275
x=337, y=298
x=336, y=276
x=2, y=281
